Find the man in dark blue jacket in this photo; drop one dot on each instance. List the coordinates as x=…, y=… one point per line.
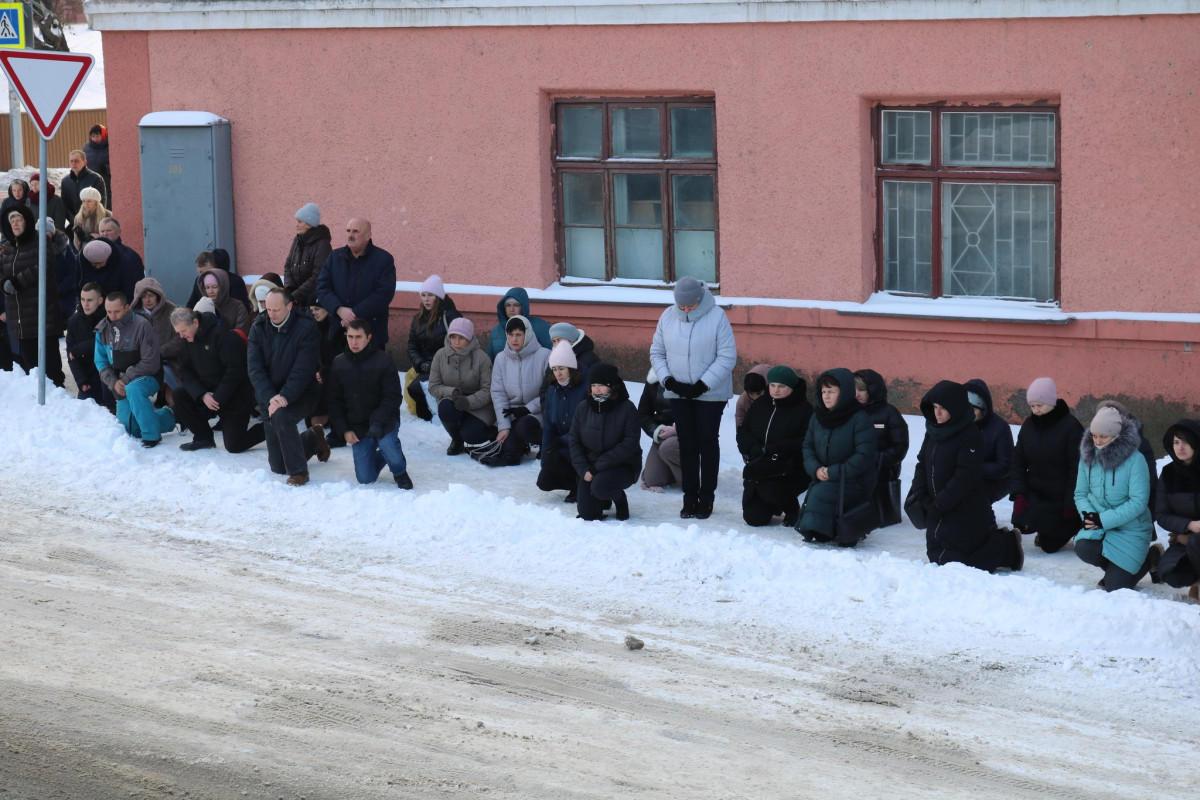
x=282, y=362
x=358, y=281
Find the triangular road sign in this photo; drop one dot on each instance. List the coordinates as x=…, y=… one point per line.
x=47, y=82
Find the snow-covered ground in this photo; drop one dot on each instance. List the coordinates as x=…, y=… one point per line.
x=187, y=616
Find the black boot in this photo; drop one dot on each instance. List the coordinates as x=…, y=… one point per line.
x=456, y=447
x=689, y=508
x=622, y=504
x=704, y=509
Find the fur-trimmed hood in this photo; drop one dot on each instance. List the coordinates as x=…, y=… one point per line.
x=1116, y=452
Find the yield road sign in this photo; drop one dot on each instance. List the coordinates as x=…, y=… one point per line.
x=47, y=82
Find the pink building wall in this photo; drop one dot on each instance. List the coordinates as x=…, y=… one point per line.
x=441, y=137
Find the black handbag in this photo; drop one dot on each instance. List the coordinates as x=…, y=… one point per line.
x=887, y=502
x=915, y=510
x=774, y=465
x=852, y=526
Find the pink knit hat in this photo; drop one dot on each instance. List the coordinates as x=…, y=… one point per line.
x=1042, y=391
x=563, y=356
x=461, y=326
x=433, y=285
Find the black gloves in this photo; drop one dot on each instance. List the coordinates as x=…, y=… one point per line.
x=375, y=432
x=670, y=384
x=689, y=391
x=516, y=413
x=424, y=367
x=461, y=401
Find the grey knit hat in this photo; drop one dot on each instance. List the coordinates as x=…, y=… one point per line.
x=565, y=330
x=1107, y=422
x=688, y=291
x=309, y=214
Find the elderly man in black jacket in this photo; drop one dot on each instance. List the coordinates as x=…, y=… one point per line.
x=282, y=362
x=213, y=381
x=364, y=406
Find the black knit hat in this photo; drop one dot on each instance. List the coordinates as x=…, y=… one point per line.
x=605, y=375
x=754, y=383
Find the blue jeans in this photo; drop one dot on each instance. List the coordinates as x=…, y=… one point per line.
x=371, y=454
x=136, y=412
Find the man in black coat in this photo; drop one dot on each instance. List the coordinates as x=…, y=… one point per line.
x=81, y=346
x=282, y=364
x=364, y=406
x=75, y=181
x=110, y=230
x=213, y=381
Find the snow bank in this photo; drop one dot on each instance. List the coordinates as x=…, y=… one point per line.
x=476, y=530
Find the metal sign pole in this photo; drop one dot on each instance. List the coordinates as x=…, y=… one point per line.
x=43, y=316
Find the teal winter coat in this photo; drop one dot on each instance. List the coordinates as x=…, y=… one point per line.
x=843, y=440
x=1115, y=482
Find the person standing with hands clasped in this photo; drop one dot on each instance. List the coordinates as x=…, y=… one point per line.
x=693, y=353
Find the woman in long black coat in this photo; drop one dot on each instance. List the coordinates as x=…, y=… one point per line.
x=1178, y=507
x=948, y=496
x=839, y=453
x=1044, y=467
x=771, y=440
x=891, y=435
x=605, y=450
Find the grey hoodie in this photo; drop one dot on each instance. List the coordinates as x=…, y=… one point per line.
x=517, y=377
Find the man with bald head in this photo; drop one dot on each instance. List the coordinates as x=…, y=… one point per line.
x=358, y=281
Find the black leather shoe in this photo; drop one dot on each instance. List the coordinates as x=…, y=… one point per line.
x=456, y=447
x=704, y=509
x=198, y=444
x=403, y=481
x=689, y=509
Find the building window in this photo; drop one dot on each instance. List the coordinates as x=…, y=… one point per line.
x=968, y=201
x=636, y=189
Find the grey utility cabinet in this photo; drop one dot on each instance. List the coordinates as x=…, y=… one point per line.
x=187, y=195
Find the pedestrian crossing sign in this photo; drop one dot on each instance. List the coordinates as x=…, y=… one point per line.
x=12, y=25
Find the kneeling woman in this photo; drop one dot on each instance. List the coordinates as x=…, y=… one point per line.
x=1111, y=492
x=839, y=453
x=771, y=439
x=460, y=379
x=605, y=450
x=948, y=496
x=564, y=392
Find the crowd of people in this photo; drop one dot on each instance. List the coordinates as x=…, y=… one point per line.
x=298, y=361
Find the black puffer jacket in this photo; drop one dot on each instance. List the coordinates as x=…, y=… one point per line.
x=303, y=264
x=425, y=338
x=654, y=409
x=215, y=361
x=364, y=393
x=19, y=280
x=771, y=438
x=891, y=431
x=81, y=346
x=1178, y=497
x=1045, y=464
x=997, y=443
x=948, y=481
x=284, y=360
x=605, y=435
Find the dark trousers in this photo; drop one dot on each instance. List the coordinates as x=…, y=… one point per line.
x=525, y=431
x=604, y=488
x=463, y=424
x=998, y=550
x=556, y=472
x=235, y=421
x=698, y=426
x=761, y=500
x=1180, y=565
x=416, y=390
x=28, y=359
x=1090, y=551
x=288, y=450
